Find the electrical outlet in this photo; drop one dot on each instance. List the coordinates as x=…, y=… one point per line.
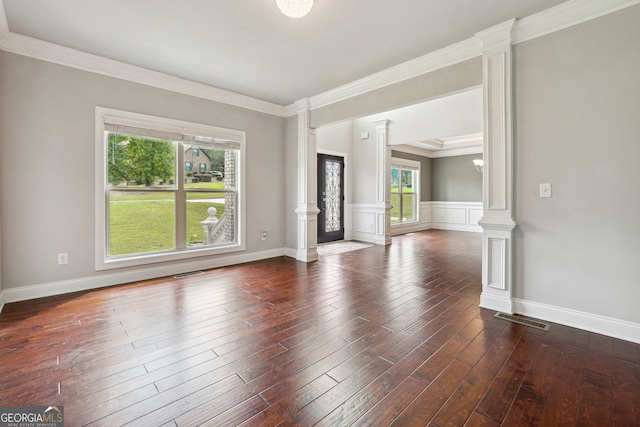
x=63, y=258
x=264, y=235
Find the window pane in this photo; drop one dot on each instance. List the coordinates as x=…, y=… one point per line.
x=408, y=207
x=140, y=161
x=205, y=229
x=140, y=221
x=395, y=179
x=211, y=166
x=395, y=208
x=407, y=180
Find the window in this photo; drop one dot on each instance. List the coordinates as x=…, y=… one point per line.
x=203, y=167
x=147, y=209
x=404, y=190
x=195, y=152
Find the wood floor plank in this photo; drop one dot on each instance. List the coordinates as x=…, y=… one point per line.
x=526, y=409
x=383, y=335
x=595, y=407
x=431, y=399
x=500, y=395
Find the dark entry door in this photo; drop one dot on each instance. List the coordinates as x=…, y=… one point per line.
x=330, y=198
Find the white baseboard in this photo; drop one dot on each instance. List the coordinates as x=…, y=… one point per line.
x=453, y=227
x=615, y=328
x=409, y=228
x=491, y=302
x=115, y=278
x=1, y=300
x=291, y=253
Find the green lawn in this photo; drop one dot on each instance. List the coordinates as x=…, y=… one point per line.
x=143, y=221
x=407, y=206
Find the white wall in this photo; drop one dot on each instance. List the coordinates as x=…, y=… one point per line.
x=577, y=110
x=47, y=165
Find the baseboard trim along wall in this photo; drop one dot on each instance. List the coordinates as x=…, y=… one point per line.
x=615, y=328
x=454, y=216
x=116, y=278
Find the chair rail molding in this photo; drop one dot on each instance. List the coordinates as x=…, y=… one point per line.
x=497, y=220
x=307, y=210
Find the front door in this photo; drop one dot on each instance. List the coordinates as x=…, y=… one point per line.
x=330, y=198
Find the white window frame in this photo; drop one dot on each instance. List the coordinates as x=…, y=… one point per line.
x=398, y=162
x=102, y=260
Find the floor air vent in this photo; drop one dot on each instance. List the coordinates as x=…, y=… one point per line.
x=522, y=321
x=189, y=274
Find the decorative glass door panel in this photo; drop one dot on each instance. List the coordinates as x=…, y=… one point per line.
x=330, y=198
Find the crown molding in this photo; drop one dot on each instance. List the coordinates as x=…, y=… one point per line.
x=566, y=15
x=436, y=60
x=409, y=149
x=557, y=18
x=45, y=51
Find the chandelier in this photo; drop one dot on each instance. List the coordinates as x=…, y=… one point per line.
x=295, y=8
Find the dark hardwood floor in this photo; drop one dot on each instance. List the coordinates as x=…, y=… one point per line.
x=378, y=336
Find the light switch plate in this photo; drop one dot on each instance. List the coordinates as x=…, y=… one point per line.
x=545, y=189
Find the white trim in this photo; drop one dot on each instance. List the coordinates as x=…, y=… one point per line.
x=450, y=55
x=615, y=328
x=557, y=18
x=118, y=277
x=45, y=51
x=455, y=216
x=102, y=261
x=551, y=20
x=496, y=303
x=451, y=152
x=368, y=223
x=409, y=227
x=566, y=15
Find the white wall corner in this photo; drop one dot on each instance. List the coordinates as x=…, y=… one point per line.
x=615, y=328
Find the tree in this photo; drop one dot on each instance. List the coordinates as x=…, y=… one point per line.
x=217, y=158
x=139, y=159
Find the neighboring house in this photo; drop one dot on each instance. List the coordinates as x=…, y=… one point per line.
x=196, y=160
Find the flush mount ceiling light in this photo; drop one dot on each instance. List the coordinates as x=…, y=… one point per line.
x=295, y=8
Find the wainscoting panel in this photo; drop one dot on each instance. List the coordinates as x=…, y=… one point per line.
x=366, y=223
x=460, y=216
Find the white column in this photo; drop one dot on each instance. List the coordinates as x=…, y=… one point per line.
x=383, y=184
x=307, y=210
x=498, y=220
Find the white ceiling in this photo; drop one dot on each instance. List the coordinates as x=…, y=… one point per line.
x=249, y=47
